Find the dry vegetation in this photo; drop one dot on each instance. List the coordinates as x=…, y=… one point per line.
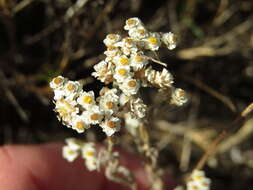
x=213, y=62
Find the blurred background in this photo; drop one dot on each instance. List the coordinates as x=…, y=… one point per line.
x=40, y=39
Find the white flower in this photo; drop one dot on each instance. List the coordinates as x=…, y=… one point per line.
x=57, y=82
x=66, y=110
x=93, y=115
x=138, y=61
x=122, y=73
x=130, y=86
x=198, y=181
x=138, y=33
x=111, y=52
x=69, y=154
x=109, y=103
x=88, y=151
x=86, y=99
x=79, y=124
x=89, y=154
x=104, y=71
x=111, y=39
x=170, y=40
x=132, y=23
x=152, y=42
x=121, y=60
x=178, y=97
x=72, y=88
x=73, y=143
x=127, y=45
x=111, y=125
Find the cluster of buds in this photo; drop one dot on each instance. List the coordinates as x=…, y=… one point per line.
x=127, y=67
x=75, y=148
x=198, y=181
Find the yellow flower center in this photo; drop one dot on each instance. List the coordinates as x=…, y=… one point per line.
x=57, y=80
x=109, y=104
x=89, y=153
x=131, y=22
x=70, y=87
x=111, y=124
x=152, y=40
x=71, y=152
x=122, y=72
x=198, y=177
x=94, y=116
x=80, y=125
x=138, y=58
x=132, y=83
x=124, y=61
x=141, y=31
x=111, y=48
x=87, y=99
x=111, y=36
x=128, y=41
x=182, y=93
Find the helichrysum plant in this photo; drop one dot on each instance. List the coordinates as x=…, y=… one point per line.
x=126, y=69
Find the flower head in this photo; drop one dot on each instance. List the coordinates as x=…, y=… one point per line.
x=122, y=73
x=79, y=124
x=86, y=99
x=152, y=42
x=69, y=154
x=111, y=39
x=93, y=115
x=111, y=125
x=130, y=86
x=132, y=23
x=57, y=82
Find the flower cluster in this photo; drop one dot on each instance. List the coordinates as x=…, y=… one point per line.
x=80, y=110
x=75, y=148
x=127, y=67
x=198, y=181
